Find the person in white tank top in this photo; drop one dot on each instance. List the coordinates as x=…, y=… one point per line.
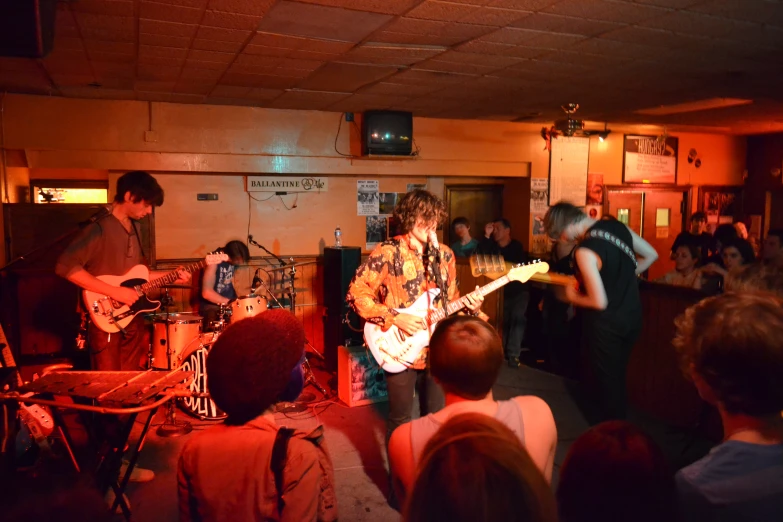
x=465, y=359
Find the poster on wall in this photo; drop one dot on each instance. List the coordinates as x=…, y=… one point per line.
x=541, y=242
x=720, y=207
x=367, y=197
x=568, y=159
x=650, y=159
x=386, y=203
x=376, y=231
x=595, y=189
x=539, y=195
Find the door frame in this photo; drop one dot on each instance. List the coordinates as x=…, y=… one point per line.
x=467, y=188
x=687, y=191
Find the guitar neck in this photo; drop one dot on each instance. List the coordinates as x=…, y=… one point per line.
x=553, y=278
x=171, y=276
x=458, y=304
x=8, y=356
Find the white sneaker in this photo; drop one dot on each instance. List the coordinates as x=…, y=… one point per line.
x=138, y=474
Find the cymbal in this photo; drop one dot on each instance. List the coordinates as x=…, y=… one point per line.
x=287, y=267
x=184, y=287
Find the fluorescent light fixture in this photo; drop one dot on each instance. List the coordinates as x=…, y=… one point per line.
x=695, y=106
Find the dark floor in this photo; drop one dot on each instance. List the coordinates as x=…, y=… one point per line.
x=355, y=437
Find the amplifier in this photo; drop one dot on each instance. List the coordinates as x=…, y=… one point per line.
x=360, y=380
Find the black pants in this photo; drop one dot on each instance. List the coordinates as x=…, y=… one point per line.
x=118, y=351
x=610, y=352
x=514, y=323
x=401, y=388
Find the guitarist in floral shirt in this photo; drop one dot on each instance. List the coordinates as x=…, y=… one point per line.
x=395, y=274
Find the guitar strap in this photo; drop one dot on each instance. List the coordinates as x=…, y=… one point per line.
x=138, y=238
x=616, y=241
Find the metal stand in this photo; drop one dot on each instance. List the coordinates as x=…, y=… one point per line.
x=171, y=427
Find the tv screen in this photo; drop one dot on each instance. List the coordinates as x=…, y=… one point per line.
x=388, y=132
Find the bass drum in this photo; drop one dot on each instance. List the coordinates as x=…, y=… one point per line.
x=195, y=360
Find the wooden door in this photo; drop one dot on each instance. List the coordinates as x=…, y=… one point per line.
x=663, y=220
x=627, y=207
x=480, y=204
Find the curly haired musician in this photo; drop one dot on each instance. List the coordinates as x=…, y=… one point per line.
x=395, y=274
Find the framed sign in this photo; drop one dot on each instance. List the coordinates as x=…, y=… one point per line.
x=650, y=159
x=721, y=203
x=568, y=160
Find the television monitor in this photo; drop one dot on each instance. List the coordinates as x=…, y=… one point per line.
x=387, y=132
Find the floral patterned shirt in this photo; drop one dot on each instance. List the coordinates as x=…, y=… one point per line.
x=394, y=276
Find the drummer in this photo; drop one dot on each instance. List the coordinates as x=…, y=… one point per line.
x=217, y=281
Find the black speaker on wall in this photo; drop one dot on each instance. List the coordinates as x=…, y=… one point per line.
x=27, y=27
x=341, y=325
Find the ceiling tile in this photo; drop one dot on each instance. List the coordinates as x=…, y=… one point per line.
x=122, y=70
x=151, y=51
x=168, y=28
x=564, y=24
x=210, y=56
x=156, y=72
x=66, y=79
x=108, y=7
x=154, y=86
x=196, y=4
x=365, y=102
x=153, y=96
x=345, y=77
x=462, y=68
x=245, y=7
x=230, y=20
x=672, y=4
x=216, y=45
x=99, y=56
x=313, y=100
x=615, y=48
x=416, y=76
x=92, y=92
x=395, y=7
x=398, y=89
x=259, y=93
x=389, y=54
x=477, y=59
x=230, y=91
x=258, y=60
x=606, y=10
x=522, y=5
x=541, y=39
x=493, y=16
x=239, y=68
x=441, y=11
x=19, y=65
x=170, y=13
x=109, y=35
x=321, y=22
x=193, y=87
x=127, y=48
x=107, y=81
x=215, y=66
x=758, y=11
x=255, y=80
x=652, y=37
x=164, y=41
x=193, y=72
x=703, y=25
x=219, y=100
x=222, y=34
x=106, y=22
x=296, y=42
x=162, y=61
x=186, y=98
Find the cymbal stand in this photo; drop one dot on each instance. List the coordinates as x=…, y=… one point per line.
x=309, y=377
x=171, y=427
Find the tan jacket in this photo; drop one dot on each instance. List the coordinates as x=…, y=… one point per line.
x=224, y=474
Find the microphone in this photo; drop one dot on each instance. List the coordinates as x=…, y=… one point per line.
x=433, y=239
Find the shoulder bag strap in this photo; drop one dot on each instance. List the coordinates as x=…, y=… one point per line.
x=279, y=453
x=616, y=241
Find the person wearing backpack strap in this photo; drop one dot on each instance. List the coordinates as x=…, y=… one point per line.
x=249, y=468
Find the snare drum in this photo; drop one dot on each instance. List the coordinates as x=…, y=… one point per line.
x=183, y=328
x=195, y=360
x=247, y=306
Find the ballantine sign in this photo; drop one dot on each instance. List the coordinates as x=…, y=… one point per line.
x=286, y=184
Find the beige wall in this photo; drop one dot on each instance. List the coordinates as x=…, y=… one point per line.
x=186, y=144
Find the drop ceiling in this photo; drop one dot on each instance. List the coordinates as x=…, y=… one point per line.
x=514, y=60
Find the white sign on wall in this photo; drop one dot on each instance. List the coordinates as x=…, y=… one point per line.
x=286, y=184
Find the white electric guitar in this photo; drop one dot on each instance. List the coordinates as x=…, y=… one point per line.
x=395, y=351
x=112, y=316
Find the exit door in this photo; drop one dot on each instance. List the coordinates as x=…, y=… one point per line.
x=656, y=214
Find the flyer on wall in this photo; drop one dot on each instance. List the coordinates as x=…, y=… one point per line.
x=367, y=197
x=539, y=195
x=376, y=231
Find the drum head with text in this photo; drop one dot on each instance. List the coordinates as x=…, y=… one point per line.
x=195, y=360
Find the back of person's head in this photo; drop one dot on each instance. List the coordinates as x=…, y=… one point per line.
x=733, y=343
x=419, y=205
x=615, y=472
x=559, y=216
x=253, y=363
x=744, y=248
x=474, y=469
x=465, y=356
x=756, y=277
x=723, y=234
x=142, y=187
x=237, y=250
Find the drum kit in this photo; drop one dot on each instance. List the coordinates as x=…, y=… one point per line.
x=179, y=340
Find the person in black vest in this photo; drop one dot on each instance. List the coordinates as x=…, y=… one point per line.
x=608, y=258
x=217, y=282
x=697, y=236
x=516, y=296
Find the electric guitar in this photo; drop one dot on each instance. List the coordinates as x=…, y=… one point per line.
x=395, y=351
x=36, y=419
x=494, y=266
x=112, y=316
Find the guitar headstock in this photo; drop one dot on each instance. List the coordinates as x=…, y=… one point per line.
x=525, y=271
x=216, y=258
x=492, y=265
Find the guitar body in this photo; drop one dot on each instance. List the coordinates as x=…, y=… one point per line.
x=395, y=351
x=106, y=313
